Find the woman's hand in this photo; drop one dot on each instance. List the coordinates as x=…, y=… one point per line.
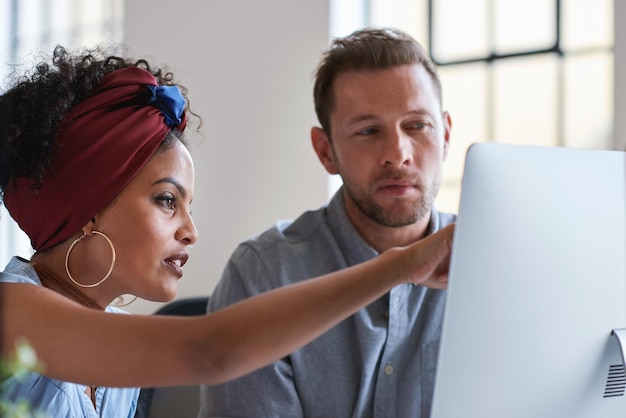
x=427, y=261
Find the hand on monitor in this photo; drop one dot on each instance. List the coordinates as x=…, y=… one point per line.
x=429, y=260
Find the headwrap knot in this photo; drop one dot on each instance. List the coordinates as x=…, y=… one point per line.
x=170, y=101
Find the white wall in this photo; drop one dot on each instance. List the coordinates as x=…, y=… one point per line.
x=248, y=65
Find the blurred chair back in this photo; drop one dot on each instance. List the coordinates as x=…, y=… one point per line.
x=173, y=401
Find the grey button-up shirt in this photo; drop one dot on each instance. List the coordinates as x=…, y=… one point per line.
x=380, y=362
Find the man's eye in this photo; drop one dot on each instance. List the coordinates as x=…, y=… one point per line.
x=367, y=131
x=419, y=125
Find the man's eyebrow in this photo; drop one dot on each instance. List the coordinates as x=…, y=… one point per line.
x=420, y=112
x=361, y=118
x=370, y=117
x=173, y=181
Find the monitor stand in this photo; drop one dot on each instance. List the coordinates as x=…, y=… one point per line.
x=616, y=382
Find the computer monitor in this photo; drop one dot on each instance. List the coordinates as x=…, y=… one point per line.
x=537, y=284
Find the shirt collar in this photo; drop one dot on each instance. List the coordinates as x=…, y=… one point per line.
x=354, y=248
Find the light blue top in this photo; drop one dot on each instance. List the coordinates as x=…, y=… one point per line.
x=63, y=399
x=380, y=362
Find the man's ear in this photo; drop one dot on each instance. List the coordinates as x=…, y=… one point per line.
x=447, y=126
x=324, y=149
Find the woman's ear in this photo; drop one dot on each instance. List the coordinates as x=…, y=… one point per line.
x=324, y=149
x=89, y=226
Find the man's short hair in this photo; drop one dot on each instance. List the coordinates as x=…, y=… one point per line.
x=366, y=49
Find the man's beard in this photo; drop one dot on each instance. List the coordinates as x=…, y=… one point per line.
x=404, y=213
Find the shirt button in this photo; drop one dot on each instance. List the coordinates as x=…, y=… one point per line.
x=388, y=369
x=387, y=314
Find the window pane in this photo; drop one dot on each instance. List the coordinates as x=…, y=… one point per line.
x=91, y=19
x=465, y=94
x=449, y=196
x=60, y=15
x=5, y=40
x=407, y=15
x=30, y=25
x=588, y=101
x=346, y=16
x=523, y=25
x=525, y=100
x=460, y=29
x=587, y=25
x=61, y=22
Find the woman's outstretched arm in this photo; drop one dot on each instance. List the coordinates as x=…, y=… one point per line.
x=95, y=348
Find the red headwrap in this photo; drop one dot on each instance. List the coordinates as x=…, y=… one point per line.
x=103, y=143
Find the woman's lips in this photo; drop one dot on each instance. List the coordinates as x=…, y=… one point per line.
x=176, y=263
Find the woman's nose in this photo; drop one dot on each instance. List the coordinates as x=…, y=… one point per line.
x=188, y=233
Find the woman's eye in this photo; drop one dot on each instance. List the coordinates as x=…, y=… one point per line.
x=166, y=201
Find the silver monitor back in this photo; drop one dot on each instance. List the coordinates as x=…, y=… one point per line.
x=537, y=284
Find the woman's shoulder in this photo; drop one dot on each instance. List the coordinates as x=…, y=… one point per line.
x=67, y=399
x=44, y=394
x=19, y=270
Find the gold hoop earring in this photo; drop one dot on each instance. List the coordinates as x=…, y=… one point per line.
x=67, y=258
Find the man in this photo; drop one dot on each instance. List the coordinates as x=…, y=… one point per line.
x=378, y=100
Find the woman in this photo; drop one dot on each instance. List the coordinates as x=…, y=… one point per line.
x=94, y=169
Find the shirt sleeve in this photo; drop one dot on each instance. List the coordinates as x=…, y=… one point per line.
x=268, y=392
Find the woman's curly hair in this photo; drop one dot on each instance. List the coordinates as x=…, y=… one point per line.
x=31, y=112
